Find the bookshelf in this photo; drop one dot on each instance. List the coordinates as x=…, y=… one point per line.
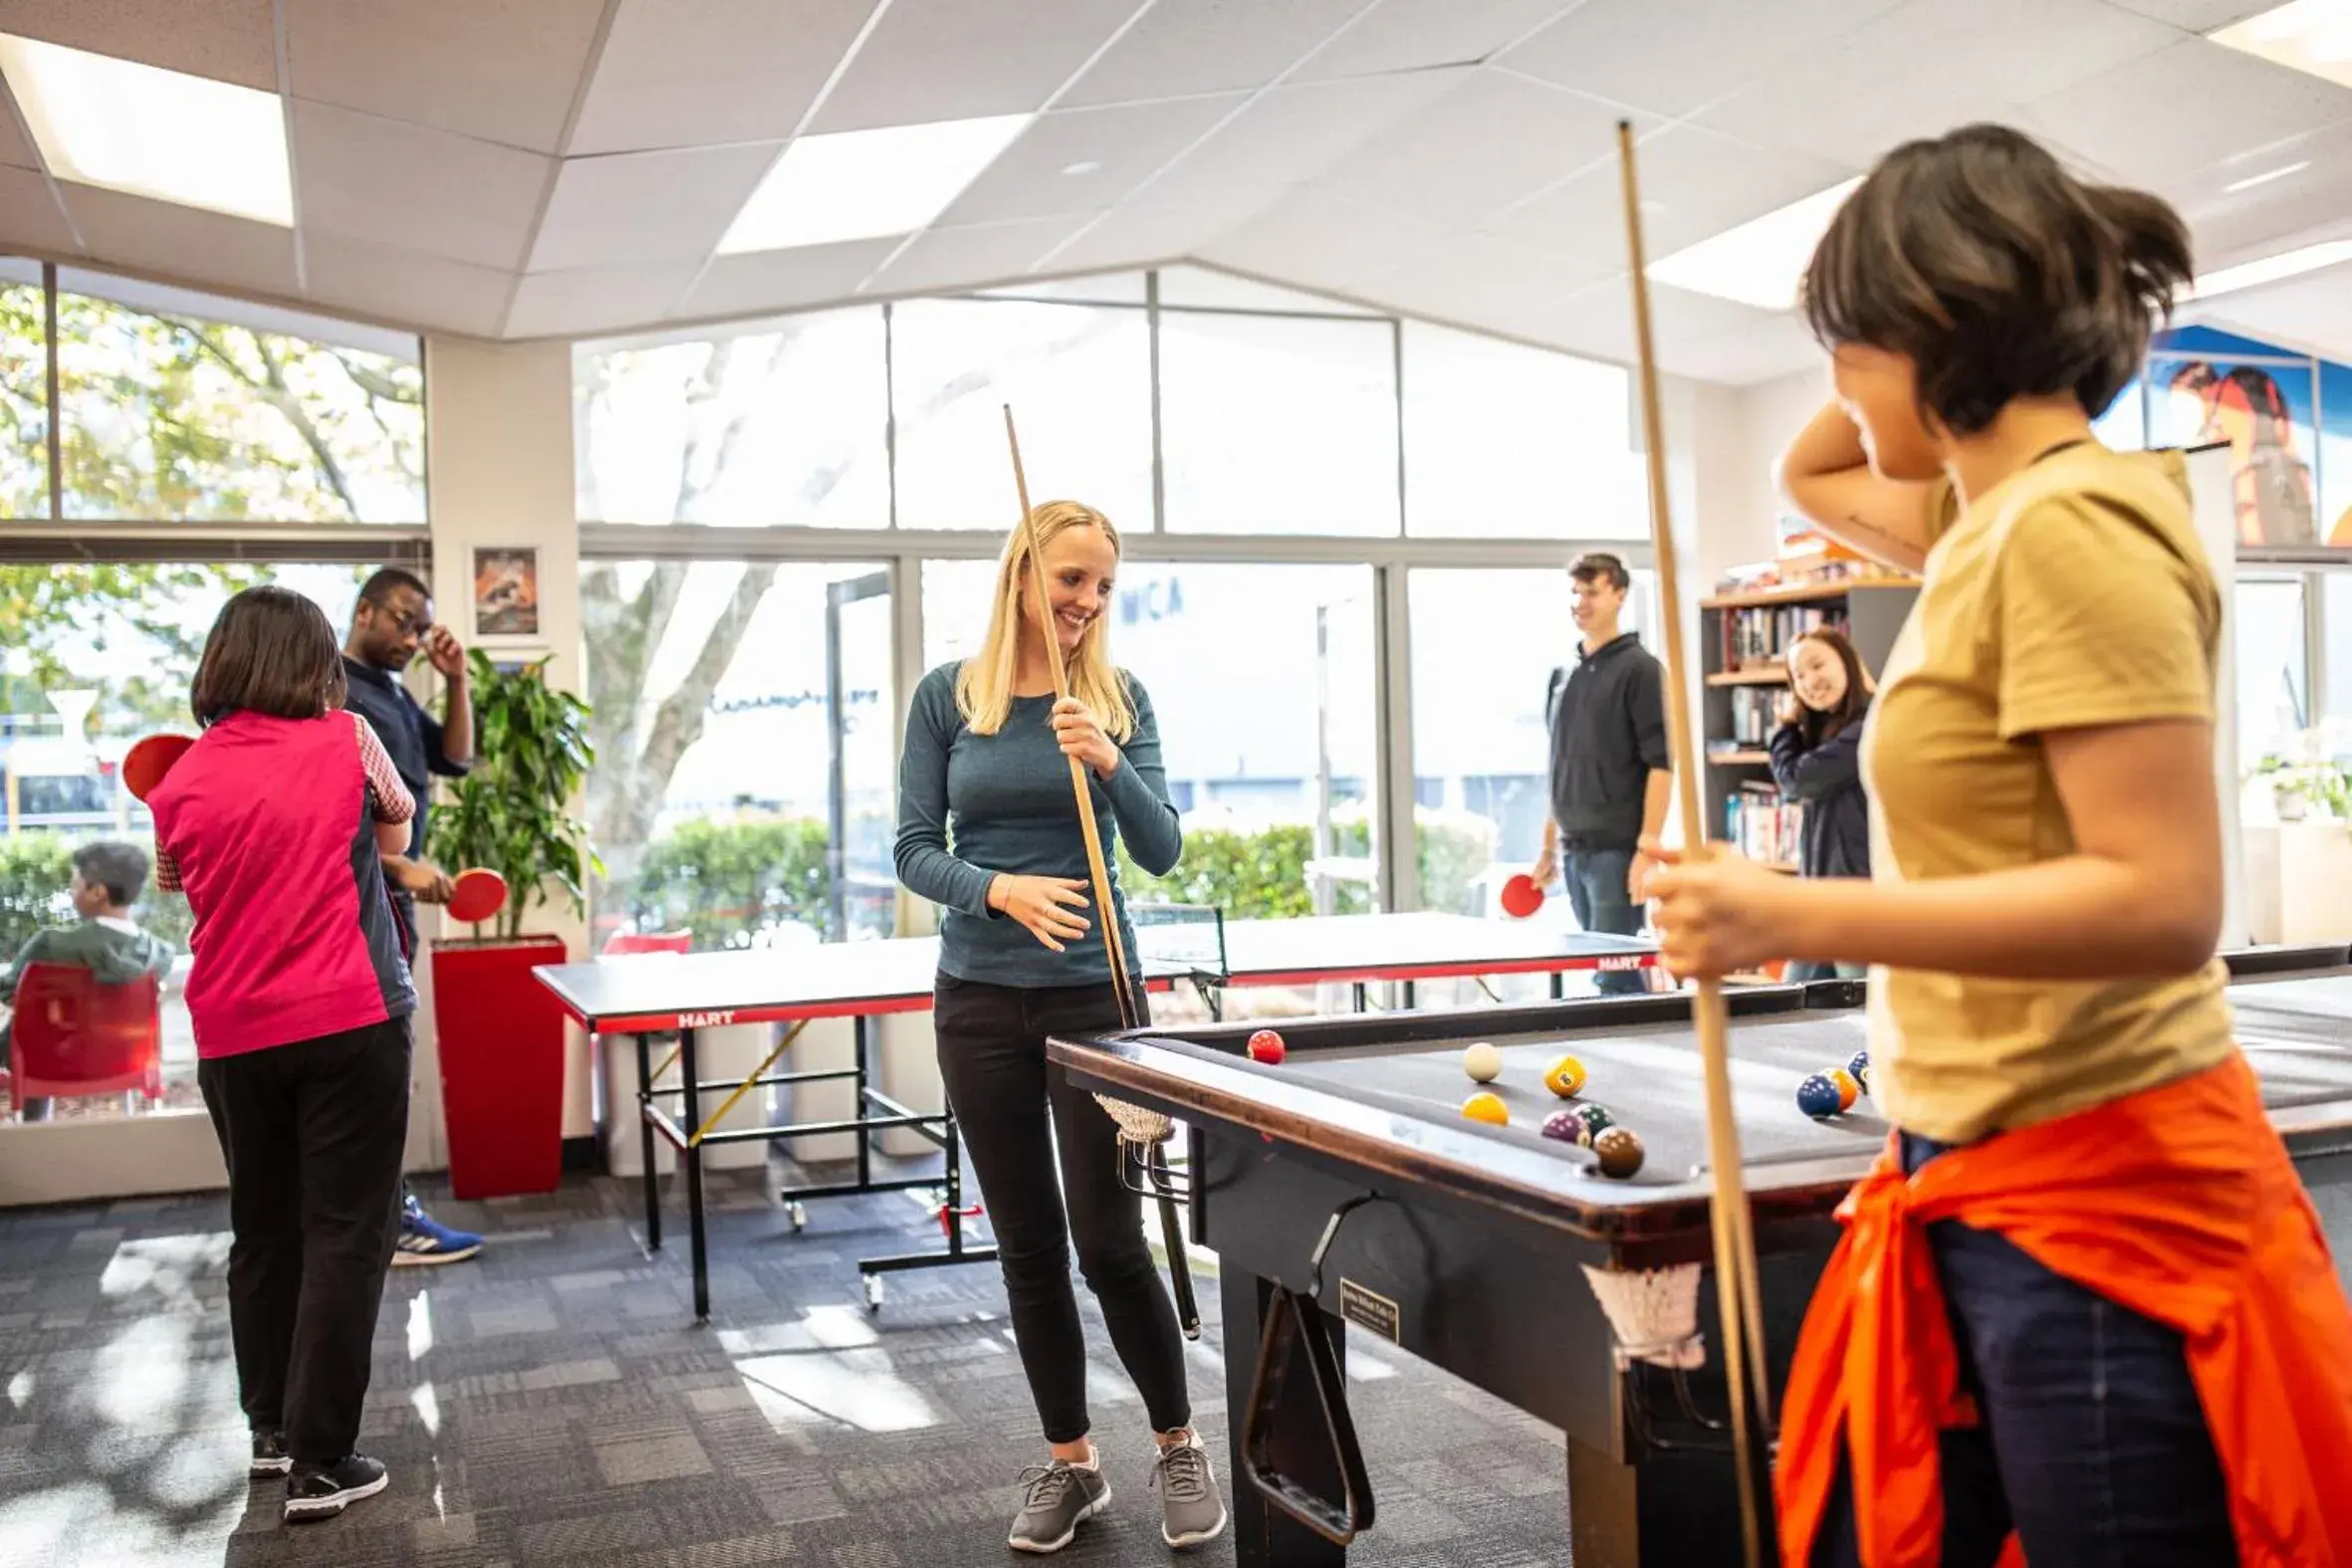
x=1744, y=637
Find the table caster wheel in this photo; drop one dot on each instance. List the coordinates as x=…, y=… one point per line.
x=797, y=1213
x=873, y=1293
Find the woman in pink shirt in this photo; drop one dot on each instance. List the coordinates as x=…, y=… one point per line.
x=300, y=997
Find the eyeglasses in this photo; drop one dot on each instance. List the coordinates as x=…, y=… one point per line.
x=404, y=625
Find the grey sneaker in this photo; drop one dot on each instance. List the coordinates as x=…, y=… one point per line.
x=1060, y=1497
x=1192, y=1509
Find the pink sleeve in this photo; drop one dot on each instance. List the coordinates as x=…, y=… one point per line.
x=385, y=792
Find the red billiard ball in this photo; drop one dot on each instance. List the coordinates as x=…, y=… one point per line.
x=1267, y=1047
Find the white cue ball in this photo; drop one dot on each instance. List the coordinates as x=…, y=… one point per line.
x=1482, y=1062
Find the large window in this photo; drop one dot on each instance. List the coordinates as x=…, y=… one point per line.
x=1262, y=681
x=781, y=423
x=98, y=656
x=2273, y=686
x=24, y=391
x=1078, y=381
x=744, y=722
x=1279, y=424
x=184, y=408
x=1505, y=443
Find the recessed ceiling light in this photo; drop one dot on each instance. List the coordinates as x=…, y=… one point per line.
x=2287, y=264
x=2311, y=36
x=1083, y=166
x=1761, y=262
x=121, y=126
x=2264, y=179
x=864, y=184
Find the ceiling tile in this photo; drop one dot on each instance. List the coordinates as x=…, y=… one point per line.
x=429, y=293
x=1640, y=52
x=2217, y=103
x=646, y=206
x=2312, y=313
x=1479, y=280
x=2196, y=16
x=410, y=185
x=1694, y=184
x=1414, y=35
x=1931, y=65
x=1156, y=229
x=1294, y=133
x=2231, y=226
x=226, y=40
x=786, y=280
x=186, y=243
x=1759, y=352
x=960, y=258
x=1128, y=144
x=692, y=72
x=29, y=214
x=1340, y=243
x=500, y=69
x=1599, y=319
x=1494, y=141
x=1210, y=46
x=15, y=148
x=595, y=298
x=934, y=60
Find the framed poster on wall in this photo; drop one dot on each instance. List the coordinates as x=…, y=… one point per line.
x=506, y=592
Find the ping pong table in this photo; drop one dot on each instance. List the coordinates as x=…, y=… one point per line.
x=660, y=992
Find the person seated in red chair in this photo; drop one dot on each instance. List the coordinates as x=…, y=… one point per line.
x=105, y=940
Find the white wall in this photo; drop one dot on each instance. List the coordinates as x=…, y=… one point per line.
x=499, y=473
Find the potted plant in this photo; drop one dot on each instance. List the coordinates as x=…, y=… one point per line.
x=500, y=1032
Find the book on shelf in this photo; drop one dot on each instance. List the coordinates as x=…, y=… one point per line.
x=1758, y=636
x=1761, y=826
x=1754, y=716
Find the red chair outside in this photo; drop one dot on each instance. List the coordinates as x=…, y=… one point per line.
x=621, y=942
x=72, y=1036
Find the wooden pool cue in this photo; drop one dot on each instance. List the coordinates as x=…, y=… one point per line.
x=1736, y=1288
x=1106, y=913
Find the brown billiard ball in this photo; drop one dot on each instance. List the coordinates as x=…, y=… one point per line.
x=1267, y=1047
x=1619, y=1150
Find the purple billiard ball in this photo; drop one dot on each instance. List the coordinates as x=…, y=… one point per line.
x=1565, y=1125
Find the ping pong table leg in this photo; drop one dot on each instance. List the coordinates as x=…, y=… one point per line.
x=645, y=1135
x=866, y=1027
x=692, y=1157
x=1559, y=986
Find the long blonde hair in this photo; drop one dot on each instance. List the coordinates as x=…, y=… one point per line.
x=984, y=686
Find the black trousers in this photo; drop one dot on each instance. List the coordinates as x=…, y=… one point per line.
x=313, y=1134
x=1014, y=1110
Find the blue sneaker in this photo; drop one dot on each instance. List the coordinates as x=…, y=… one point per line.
x=424, y=1240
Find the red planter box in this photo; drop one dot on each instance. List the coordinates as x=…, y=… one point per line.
x=500, y=1039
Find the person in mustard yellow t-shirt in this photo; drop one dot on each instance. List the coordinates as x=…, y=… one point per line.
x=2084, y=1292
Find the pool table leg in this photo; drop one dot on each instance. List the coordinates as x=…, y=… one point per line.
x=1671, y=1509
x=1264, y=1536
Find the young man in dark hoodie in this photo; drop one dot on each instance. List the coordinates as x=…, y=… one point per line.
x=105, y=940
x=1611, y=770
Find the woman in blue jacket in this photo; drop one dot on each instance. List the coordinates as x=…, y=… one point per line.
x=1817, y=763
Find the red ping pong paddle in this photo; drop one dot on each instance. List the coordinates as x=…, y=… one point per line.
x=146, y=764
x=1522, y=897
x=477, y=895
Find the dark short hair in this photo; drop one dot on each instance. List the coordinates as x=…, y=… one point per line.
x=1997, y=273
x=1603, y=565
x=121, y=869
x=269, y=651
x=383, y=580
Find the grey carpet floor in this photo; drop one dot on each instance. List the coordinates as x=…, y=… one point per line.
x=552, y=1402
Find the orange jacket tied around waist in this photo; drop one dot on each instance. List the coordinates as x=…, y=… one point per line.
x=2178, y=1203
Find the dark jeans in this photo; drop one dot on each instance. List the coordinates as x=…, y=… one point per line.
x=1014, y=1111
x=2092, y=1444
x=1595, y=880
x=312, y=1134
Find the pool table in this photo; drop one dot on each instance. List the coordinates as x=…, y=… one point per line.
x=1474, y=1246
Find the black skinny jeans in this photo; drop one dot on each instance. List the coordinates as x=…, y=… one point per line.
x=1014, y=1111
x=313, y=1134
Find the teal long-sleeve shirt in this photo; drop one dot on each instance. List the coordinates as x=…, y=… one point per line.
x=973, y=806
